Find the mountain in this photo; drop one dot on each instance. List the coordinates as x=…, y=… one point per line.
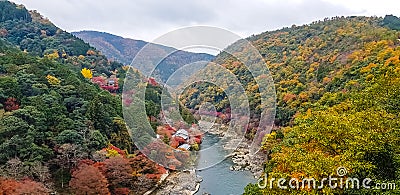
x=337, y=101
x=113, y=46
x=124, y=50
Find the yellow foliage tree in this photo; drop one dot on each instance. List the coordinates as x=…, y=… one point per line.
x=53, y=80
x=87, y=73
x=368, y=68
x=53, y=55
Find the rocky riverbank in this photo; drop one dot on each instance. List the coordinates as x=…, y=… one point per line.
x=179, y=183
x=244, y=161
x=241, y=157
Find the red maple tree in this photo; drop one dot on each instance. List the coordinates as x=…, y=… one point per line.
x=118, y=172
x=27, y=186
x=11, y=104
x=89, y=180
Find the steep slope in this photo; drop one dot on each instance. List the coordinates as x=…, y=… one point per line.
x=55, y=122
x=307, y=61
x=124, y=50
x=338, y=101
x=37, y=36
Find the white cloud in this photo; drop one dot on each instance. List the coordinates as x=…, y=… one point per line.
x=370, y=7
x=148, y=19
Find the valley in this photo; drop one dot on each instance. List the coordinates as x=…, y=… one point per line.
x=68, y=102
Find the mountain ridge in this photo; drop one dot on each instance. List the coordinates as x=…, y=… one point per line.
x=125, y=49
x=106, y=41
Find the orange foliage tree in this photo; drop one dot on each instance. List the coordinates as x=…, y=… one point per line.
x=11, y=186
x=118, y=172
x=89, y=180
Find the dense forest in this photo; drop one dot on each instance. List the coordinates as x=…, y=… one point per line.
x=62, y=130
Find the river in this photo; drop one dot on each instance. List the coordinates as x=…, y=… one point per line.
x=219, y=179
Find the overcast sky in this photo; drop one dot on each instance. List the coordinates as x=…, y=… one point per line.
x=148, y=19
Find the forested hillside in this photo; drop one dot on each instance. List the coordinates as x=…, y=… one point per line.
x=60, y=130
x=338, y=101
x=36, y=35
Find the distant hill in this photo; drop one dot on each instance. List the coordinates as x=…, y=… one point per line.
x=124, y=50
x=113, y=46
